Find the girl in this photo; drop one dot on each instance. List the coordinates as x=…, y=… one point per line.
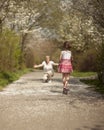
x=65, y=65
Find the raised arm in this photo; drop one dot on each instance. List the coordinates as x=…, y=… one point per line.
x=37, y=66
x=56, y=64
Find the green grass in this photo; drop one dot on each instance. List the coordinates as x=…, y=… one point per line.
x=95, y=84
x=86, y=77
x=9, y=77
x=83, y=74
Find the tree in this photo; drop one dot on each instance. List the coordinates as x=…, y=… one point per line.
x=9, y=51
x=4, y=7
x=57, y=19
x=98, y=16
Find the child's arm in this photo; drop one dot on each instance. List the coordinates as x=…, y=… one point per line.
x=56, y=64
x=60, y=56
x=37, y=66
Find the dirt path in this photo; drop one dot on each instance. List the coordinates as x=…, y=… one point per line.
x=29, y=104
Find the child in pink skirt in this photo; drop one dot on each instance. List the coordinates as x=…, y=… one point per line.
x=65, y=65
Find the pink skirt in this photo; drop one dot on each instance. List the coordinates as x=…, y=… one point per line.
x=65, y=66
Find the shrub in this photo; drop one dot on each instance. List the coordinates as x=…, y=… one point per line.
x=9, y=50
x=87, y=61
x=100, y=63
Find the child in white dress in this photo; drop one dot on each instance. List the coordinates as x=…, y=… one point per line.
x=48, y=69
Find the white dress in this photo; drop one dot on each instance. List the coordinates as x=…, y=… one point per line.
x=48, y=68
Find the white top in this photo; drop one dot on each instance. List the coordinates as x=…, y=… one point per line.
x=48, y=67
x=66, y=55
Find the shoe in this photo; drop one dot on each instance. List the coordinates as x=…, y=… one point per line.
x=65, y=91
x=45, y=81
x=49, y=81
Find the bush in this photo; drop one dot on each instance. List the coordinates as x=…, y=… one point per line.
x=8, y=77
x=10, y=51
x=100, y=63
x=87, y=61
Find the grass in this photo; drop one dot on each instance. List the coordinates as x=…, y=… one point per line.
x=9, y=77
x=83, y=74
x=95, y=84
x=86, y=77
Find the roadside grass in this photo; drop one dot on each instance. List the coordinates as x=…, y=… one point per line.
x=9, y=77
x=85, y=77
x=95, y=84
x=90, y=78
x=83, y=74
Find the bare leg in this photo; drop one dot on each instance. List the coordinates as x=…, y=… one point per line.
x=49, y=78
x=50, y=75
x=45, y=77
x=65, y=79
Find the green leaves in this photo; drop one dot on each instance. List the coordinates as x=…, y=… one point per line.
x=9, y=51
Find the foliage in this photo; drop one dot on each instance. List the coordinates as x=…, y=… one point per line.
x=61, y=18
x=83, y=74
x=8, y=77
x=98, y=17
x=98, y=13
x=100, y=63
x=80, y=21
x=9, y=50
x=95, y=84
x=86, y=61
